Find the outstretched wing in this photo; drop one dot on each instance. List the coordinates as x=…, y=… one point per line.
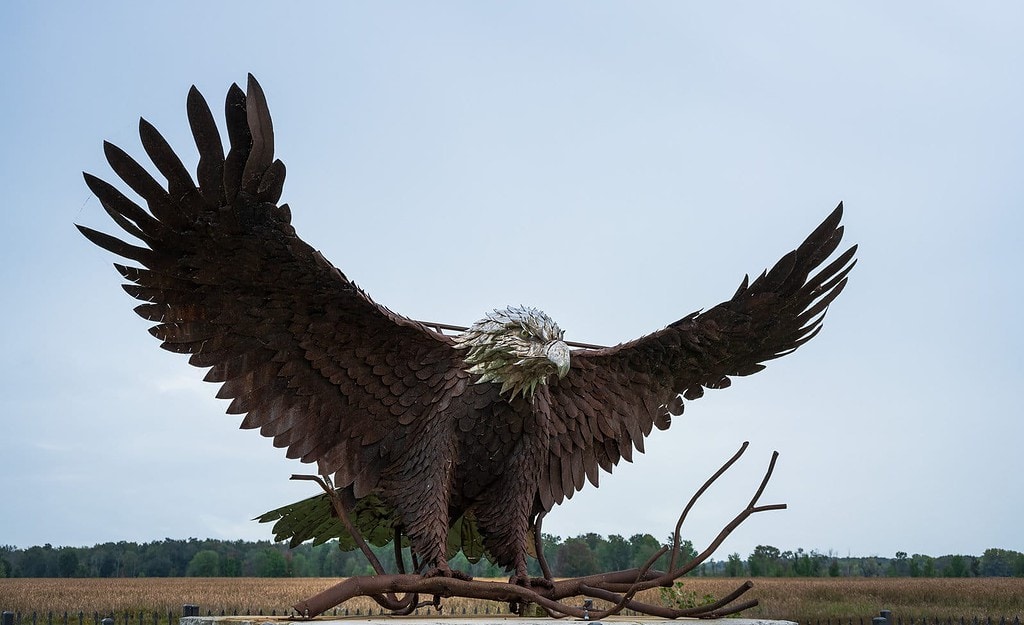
x=611, y=398
x=298, y=348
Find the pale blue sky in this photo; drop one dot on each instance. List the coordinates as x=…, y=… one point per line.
x=616, y=164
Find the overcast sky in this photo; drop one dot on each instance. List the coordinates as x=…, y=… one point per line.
x=618, y=165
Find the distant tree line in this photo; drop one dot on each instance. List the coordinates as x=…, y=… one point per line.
x=768, y=561
x=582, y=555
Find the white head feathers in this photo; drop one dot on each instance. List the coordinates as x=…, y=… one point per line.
x=518, y=347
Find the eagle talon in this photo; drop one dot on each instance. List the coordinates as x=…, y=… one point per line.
x=531, y=582
x=445, y=571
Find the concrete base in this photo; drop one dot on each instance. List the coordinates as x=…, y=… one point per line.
x=454, y=620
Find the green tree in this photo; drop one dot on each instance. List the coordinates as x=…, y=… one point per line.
x=301, y=566
x=819, y=562
x=157, y=565
x=957, y=567
x=763, y=561
x=806, y=564
x=575, y=558
x=833, y=568
x=869, y=567
x=998, y=563
x=67, y=562
x=130, y=562
x=206, y=563
x=734, y=565
x=269, y=562
x=593, y=540
x=644, y=546
x=614, y=554
x=921, y=566
x=686, y=550
x=165, y=558
x=900, y=566
x=928, y=569
x=37, y=562
x=334, y=563
x=231, y=564
x=5, y=564
x=810, y=563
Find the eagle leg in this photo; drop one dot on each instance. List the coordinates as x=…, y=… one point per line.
x=504, y=523
x=531, y=582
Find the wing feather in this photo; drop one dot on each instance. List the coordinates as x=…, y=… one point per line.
x=210, y=170
x=305, y=355
x=179, y=182
x=123, y=211
x=261, y=154
x=239, y=142
x=615, y=396
x=117, y=246
x=143, y=184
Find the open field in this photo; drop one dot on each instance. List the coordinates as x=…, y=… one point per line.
x=794, y=599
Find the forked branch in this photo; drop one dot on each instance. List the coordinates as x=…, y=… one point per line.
x=617, y=588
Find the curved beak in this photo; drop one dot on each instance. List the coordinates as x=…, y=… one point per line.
x=558, y=353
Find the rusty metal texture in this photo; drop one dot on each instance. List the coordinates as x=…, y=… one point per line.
x=489, y=428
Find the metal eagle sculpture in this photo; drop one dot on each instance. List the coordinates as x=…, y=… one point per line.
x=497, y=424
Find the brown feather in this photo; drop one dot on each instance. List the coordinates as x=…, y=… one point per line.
x=123, y=211
x=179, y=182
x=210, y=170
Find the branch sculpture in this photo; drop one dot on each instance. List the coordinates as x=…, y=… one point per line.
x=617, y=587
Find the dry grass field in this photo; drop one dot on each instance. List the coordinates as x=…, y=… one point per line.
x=837, y=600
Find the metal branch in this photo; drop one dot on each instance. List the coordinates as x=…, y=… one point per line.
x=440, y=327
x=617, y=587
x=339, y=508
x=696, y=496
x=740, y=518
x=619, y=582
x=391, y=601
x=628, y=596
x=397, y=541
x=538, y=546
x=767, y=476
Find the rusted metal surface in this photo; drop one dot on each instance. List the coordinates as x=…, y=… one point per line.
x=486, y=430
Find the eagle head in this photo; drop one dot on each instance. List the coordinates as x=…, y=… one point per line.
x=518, y=347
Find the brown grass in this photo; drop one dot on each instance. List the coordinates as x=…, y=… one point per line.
x=153, y=594
x=840, y=599
x=852, y=598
